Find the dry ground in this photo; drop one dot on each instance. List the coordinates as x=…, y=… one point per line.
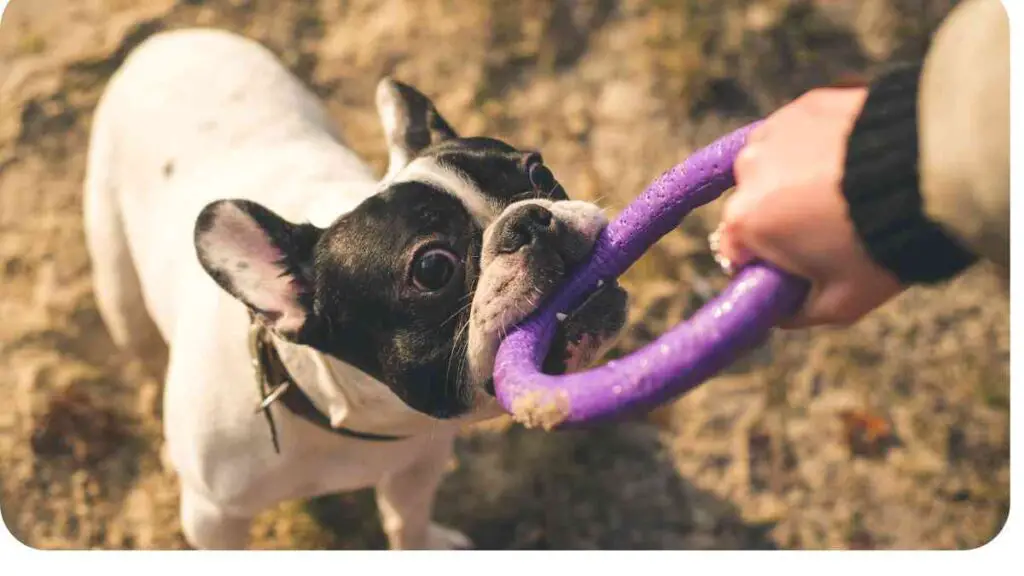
x=893, y=434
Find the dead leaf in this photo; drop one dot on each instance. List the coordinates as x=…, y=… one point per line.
x=867, y=434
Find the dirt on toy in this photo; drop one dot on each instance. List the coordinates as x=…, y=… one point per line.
x=892, y=434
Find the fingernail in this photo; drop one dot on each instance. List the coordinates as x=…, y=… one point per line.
x=715, y=243
x=715, y=238
x=724, y=263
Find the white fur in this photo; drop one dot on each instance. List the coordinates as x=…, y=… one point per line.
x=386, y=103
x=195, y=116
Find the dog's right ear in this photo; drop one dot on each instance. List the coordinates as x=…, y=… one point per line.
x=261, y=259
x=411, y=123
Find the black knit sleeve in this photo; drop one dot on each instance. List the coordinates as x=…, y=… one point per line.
x=881, y=186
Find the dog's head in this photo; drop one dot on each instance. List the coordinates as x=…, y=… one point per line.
x=418, y=283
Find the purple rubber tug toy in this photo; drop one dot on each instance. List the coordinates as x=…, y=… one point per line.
x=726, y=328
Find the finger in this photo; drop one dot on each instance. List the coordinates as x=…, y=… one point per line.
x=736, y=248
x=830, y=304
x=728, y=239
x=745, y=164
x=748, y=156
x=745, y=232
x=807, y=316
x=730, y=254
x=739, y=205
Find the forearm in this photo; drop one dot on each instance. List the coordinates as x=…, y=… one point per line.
x=965, y=128
x=926, y=174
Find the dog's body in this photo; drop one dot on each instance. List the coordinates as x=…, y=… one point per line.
x=196, y=117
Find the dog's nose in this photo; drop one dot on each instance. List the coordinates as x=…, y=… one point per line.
x=529, y=224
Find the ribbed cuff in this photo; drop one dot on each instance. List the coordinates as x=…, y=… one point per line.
x=881, y=186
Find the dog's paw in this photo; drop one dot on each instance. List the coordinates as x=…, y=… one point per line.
x=443, y=538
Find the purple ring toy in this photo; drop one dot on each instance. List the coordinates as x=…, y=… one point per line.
x=726, y=328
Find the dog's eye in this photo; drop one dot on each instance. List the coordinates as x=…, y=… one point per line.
x=434, y=269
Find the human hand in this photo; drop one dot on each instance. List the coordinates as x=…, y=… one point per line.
x=788, y=209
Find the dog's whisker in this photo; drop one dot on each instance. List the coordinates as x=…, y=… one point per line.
x=459, y=352
x=536, y=297
x=463, y=332
x=460, y=347
x=462, y=360
x=502, y=328
x=457, y=313
x=602, y=202
x=520, y=313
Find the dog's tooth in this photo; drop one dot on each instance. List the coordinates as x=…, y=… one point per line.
x=600, y=283
x=561, y=316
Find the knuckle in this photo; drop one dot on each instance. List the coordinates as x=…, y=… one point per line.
x=843, y=314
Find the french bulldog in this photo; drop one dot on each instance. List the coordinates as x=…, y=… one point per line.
x=226, y=218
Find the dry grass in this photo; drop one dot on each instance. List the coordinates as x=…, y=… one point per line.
x=785, y=450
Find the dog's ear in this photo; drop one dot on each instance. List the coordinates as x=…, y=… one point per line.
x=411, y=123
x=261, y=259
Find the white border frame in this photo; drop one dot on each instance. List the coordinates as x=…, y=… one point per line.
x=982, y=560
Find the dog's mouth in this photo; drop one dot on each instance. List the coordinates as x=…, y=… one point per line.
x=584, y=333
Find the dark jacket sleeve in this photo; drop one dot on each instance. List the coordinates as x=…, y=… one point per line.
x=927, y=164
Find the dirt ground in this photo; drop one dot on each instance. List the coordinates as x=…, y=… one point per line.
x=893, y=434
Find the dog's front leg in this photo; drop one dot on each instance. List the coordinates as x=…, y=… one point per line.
x=207, y=526
x=405, y=499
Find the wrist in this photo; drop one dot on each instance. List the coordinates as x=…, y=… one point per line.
x=882, y=190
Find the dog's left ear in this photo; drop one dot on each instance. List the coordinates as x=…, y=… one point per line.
x=411, y=123
x=261, y=259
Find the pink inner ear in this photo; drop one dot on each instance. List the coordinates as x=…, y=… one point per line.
x=237, y=245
